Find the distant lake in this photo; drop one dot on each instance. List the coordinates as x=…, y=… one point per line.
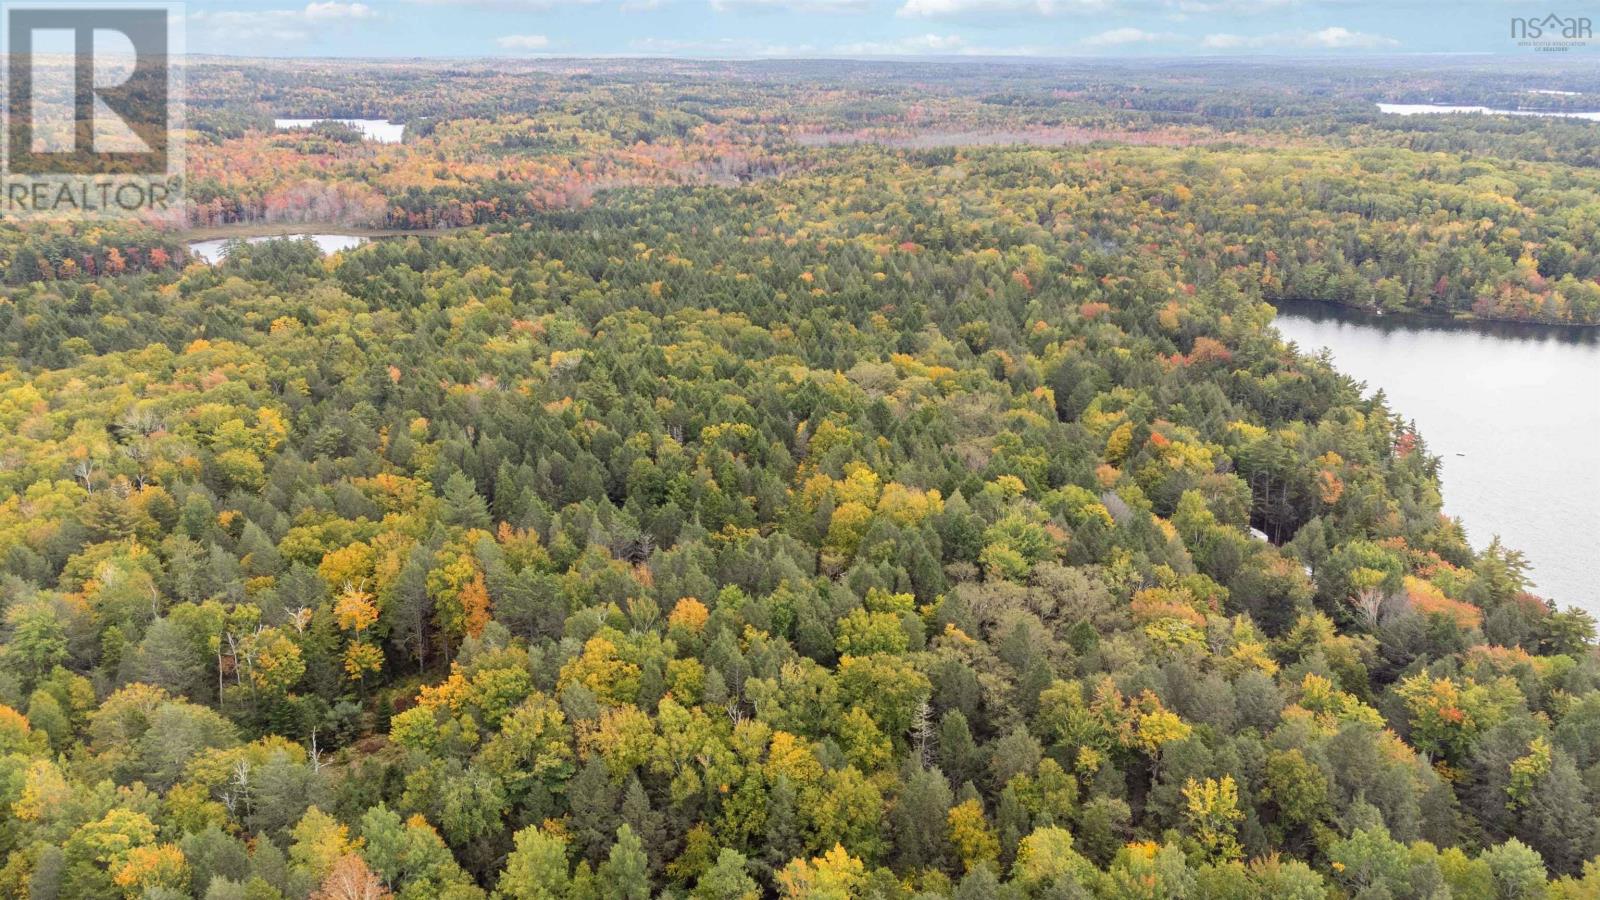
x=213, y=251
x=1512, y=410
x=1414, y=109
x=372, y=129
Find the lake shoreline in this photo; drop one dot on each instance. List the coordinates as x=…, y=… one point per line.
x=244, y=231
x=1422, y=316
x=1507, y=409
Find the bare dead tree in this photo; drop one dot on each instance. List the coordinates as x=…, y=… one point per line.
x=84, y=471
x=922, y=731
x=1368, y=604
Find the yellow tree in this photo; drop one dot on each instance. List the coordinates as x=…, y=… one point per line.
x=152, y=866
x=320, y=841
x=461, y=598
x=1211, y=812
x=355, y=612
x=970, y=834
x=836, y=875
x=276, y=664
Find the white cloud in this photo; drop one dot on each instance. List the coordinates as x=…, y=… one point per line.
x=941, y=44
x=506, y=5
x=1332, y=38
x=228, y=28
x=1226, y=41
x=1340, y=38
x=929, y=45
x=522, y=42
x=812, y=6
x=747, y=48
x=1121, y=37
x=333, y=11
x=718, y=48
x=1228, y=7
x=1169, y=9
x=947, y=9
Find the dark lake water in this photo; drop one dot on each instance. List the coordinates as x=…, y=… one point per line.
x=1512, y=410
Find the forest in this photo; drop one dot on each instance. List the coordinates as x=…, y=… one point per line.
x=783, y=480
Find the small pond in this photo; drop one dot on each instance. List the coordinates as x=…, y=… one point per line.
x=214, y=250
x=379, y=130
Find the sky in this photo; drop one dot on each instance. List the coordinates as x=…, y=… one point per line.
x=860, y=28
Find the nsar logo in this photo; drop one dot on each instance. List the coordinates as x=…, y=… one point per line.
x=1552, y=32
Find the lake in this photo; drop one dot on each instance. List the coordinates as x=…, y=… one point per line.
x=372, y=129
x=1414, y=109
x=214, y=250
x=1512, y=410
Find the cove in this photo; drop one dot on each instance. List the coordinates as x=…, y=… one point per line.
x=1513, y=412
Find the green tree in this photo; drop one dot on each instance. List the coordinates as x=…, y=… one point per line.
x=536, y=869
x=728, y=879
x=625, y=875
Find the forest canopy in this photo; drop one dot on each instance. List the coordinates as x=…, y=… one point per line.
x=707, y=512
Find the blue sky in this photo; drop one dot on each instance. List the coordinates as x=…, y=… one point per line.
x=856, y=28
